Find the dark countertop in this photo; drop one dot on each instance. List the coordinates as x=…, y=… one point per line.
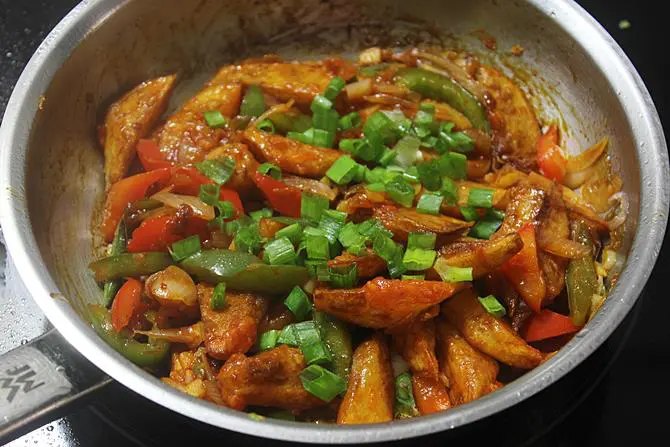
x=626, y=406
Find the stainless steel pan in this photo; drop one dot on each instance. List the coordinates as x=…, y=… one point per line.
x=51, y=167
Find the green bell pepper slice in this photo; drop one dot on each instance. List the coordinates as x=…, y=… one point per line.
x=581, y=279
x=293, y=121
x=243, y=271
x=129, y=265
x=442, y=88
x=145, y=355
x=119, y=245
x=335, y=334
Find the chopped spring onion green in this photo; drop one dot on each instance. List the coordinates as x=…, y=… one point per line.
x=287, y=336
x=405, y=406
x=351, y=239
x=271, y=170
x=343, y=277
x=334, y=88
x=413, y=277
x=480, y=198
x=316, y=243
x=343, y=170
x=470, y=214
x=419, y=259
x=407, y=150
x=376, y=187
x=350, y=121
x=485, y=228
x=331, y=223
x=293, y=232
x=209, y=193
x=184, y=248
x=279, y=252
x=248, y=240
x=318, y=269
x=258, y=215
x=314, y=137
x=429, y=174
x=283, y=415
x=266, y=126
x=391, y=252
x=298, y=303
x=316, y=353
x=493, y=306
x=495, y=214
x=268, y=340
x=379, y=129
x=219, y=170
x=400, y=191
x=312, y=205
x=371, y=227
x=253, y=103
x=454, y=165
x=449, y=191
x=309, y=339
x=387, y=157
x=322, y=383
x=214, y=118
x=218, y=300
x=455, y=274
x=429, y=203
x=321, y=104
x=425, y=241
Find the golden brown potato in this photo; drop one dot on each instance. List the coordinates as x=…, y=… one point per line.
x=291, y=155
x=384, y=303
x=524, y=206
x=487, y=333
x=189, y=371
x=416, y=343
x=300, y=82
x=471, y=374
x=131, y=118
x=172, y=287
x=430, y=394
x=185, y=137
x=232, y=329
x=370, y=394
x=483, y=256
x=268, y=379
x=402, y=221
x=245, y=166
x=517, y=309
x=368, y=263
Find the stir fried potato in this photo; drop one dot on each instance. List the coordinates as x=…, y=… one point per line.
x=349, y=242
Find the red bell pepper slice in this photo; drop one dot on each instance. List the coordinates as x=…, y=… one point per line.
x=550, y=157
x=151, y=156
x=283, y=198
x=523, y=270
x=548, y=324
x=154, y=234
x=127, y=303
x=126, y=191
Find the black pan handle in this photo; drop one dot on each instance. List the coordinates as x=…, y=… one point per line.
x=40, y=380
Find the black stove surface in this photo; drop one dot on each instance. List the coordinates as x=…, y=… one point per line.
x=616, y=397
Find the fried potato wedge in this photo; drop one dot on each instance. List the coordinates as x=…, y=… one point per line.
x=245, y=166
x=368, y=264
x=268, y=379
x=131, y=118
x=483, y=256
x=487, y=333
x=402, y=221
x=524, y=206
x=300, y=82
x=370, y=394
x=430, y=394
x=384, y=303
x=471, y=374
x=416, y=344
x=234, y=328
x=185, y=137
x=291, y=155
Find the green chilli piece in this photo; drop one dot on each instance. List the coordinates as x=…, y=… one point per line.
x=218, y=300
x=435, y=86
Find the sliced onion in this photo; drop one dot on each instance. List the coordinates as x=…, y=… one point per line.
x=311, y=185
x=446, y=67
x=390, y=100
x=621, y=210
x=192, y=336
x=370, y=56
x=587, y=158
x=172, y=287
x=199, y=208
x=574, y=180
x=392, y=89
x=357, y=90
x=564, y=248
x=279, y=108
